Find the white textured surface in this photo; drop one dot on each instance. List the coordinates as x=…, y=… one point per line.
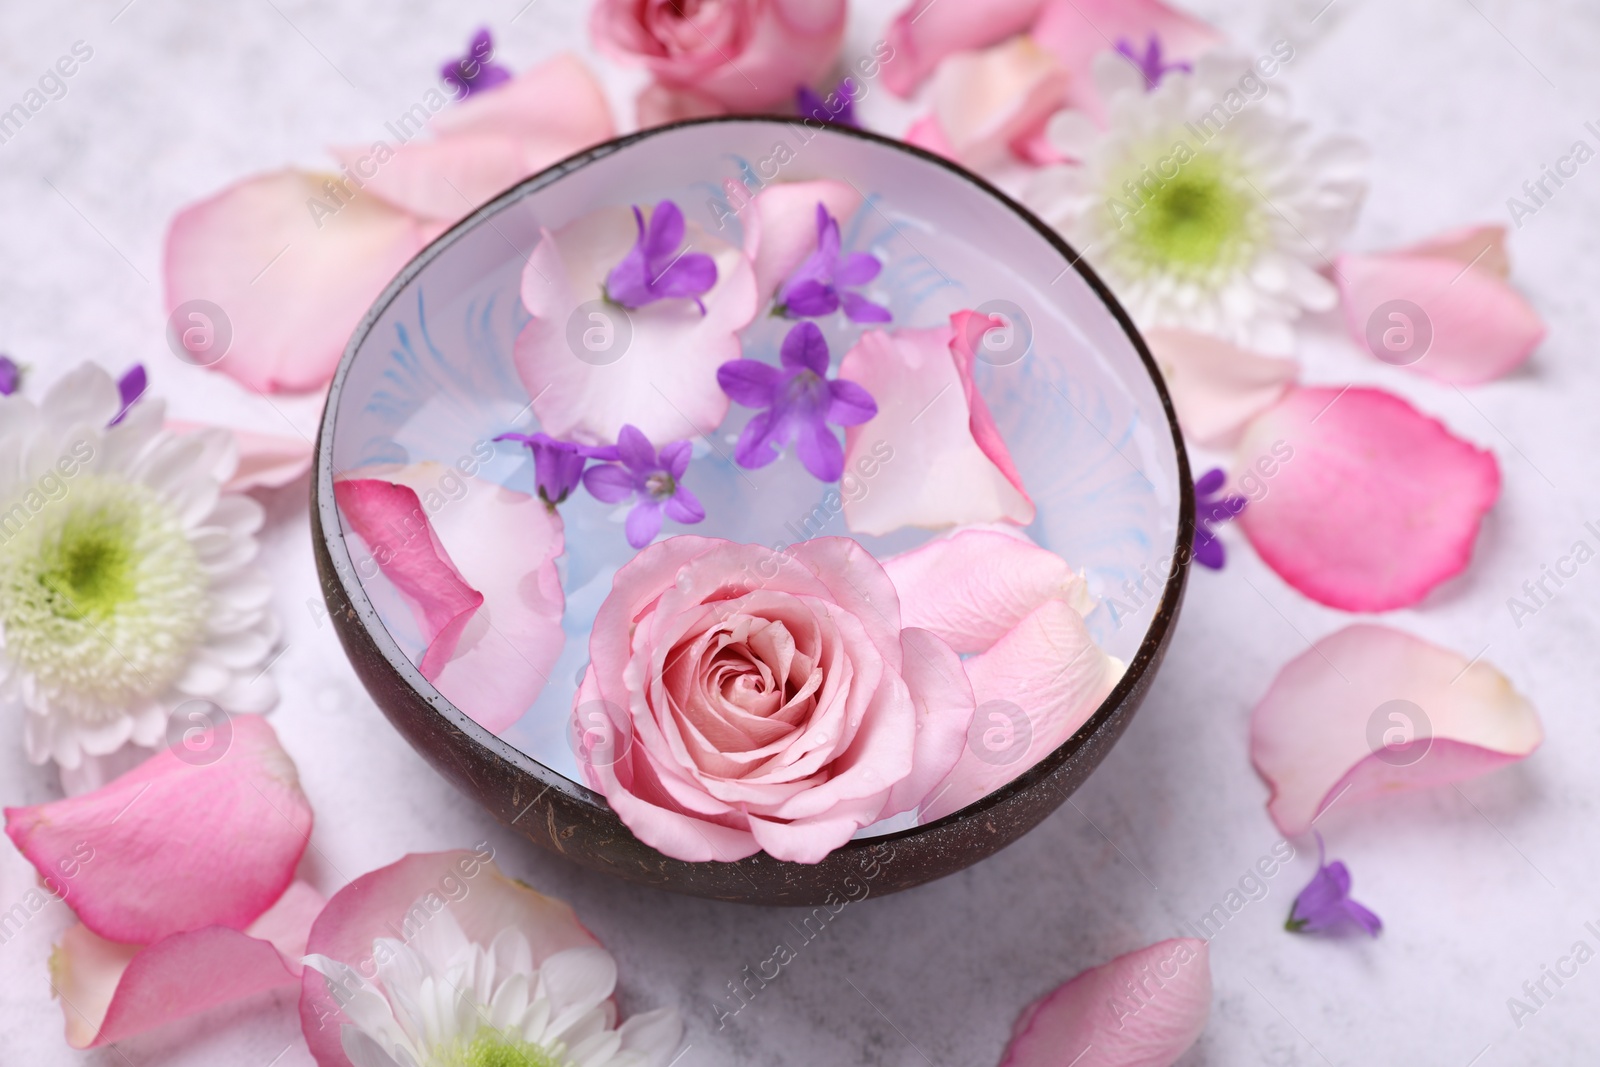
x=1479, y=886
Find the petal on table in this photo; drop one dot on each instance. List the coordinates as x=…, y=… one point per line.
x=1034, y=688
x=266, y=460
x=940, y=473
x=495, y=545
x=292, y=283
x=1372, y=503
x=555, y=109
x=780, y=225
x=1217, y=387
x=1142, y=1009
x=1078, y=30
x=442, y=179
x=986, y=101
x=1475, y=327
x=171, y=845
x=924, y=34
x=974, y=587
x=594, y=367
x=1371, y=710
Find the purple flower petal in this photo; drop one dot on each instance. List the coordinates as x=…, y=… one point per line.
x=628, y=282
x=1208, y=483
x=635, y=450
x=655, y=269
x=10, y=376
x=1208, y=551
x=1325, y=904
x=810, y=299
x=858, y=268
x=644, y=522
x=688, y=276
x=131, y=387
x=750, y=382
x=473, y=72
x=849, y=404
x=804, y=348
x=666, y=231
x=610, y=483
x=820, y=451
x=756, y=446
x=675, y=458
x=683, y=506
x=859, y=309
x=838, y=109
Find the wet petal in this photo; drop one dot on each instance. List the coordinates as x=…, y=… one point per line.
x=804, y=349
x=1371, y=710
x=1217, y=387
x=750, y=382
x=1370, y=504
x=780, y=228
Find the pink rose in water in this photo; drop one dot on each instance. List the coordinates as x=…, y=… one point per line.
x=714, y=56
x=760, y=700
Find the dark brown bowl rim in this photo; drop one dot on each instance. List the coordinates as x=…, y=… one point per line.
x=328, y=529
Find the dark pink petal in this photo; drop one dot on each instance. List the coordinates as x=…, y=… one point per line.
x=398, y=900
x=1143, y=1009
x=969, y=328
x=391, y=520
x=1369, y=503
x=1370, y=711
x=609, y=483
x=849, y=404
x=750, y=382
x=1472, y=327
x=173, y=845
x=804, y=349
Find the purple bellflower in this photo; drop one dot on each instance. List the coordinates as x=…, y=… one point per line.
x=818, y=285
x=1325, y=902
x=798, y=401
x=655, y=268
x=558, y=465
x=1212, y=508
x=813, y=105
x=10, y=376
x=474, y=72
x=1151, y=65
x=131, y=387
x=652, y=478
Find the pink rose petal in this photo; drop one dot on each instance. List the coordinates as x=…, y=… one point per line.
x=1376, y=503
x=266, y=460
x=988, y=101
x=928, y=135
x=1142, y=1009
x=553, y=110
x=397, y=900
x=175, y=846
x=663, y=378
x=1217, y=387
x=291, y=286
x=929, y=409
x=442, y=179
x=1078, y=30
x=969, y=328
x=1370, y=710
x=974, y=587
x=1475, y=326
x=1046, y=677
x=923, y=34
x=780, y=225
x=479, y=570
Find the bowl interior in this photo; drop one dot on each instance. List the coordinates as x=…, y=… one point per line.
x=432, y=376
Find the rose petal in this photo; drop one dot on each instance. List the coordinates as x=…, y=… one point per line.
x=924, y=34
x=928, y=135
x=1142, y=1009
x=986, y=101
x=664, y=379
x=399, y=901
x=944, y=702
x=780, y=225
x=969, y=328
x=974, y=587
x=173, y=846
x=1479, y=327
x=493, y=658
x=1049, y=671
x=554, y=109
x=924, y=411
x=1217, y=387
x=292, y=283
x=441, y=179
x=1330, y=728
x=1373, y=503
x=266, y=460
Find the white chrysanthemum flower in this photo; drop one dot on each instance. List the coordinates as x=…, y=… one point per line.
x=445, y=1001
x=1203, y=204
x=127, y=584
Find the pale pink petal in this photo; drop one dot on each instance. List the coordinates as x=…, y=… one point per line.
x=442, y=179
x=480, y=570
x=969, y=328
x=928, y=135
x=654, y=367
x=944, y=703
x=399, y=900
x=924, y=33
x=1077, y=30
x=780, y=225
x=287, y=924
x=1371, y=504
x=172, y=845
x=1046, y=677
x=657, y=105
x=266, y=460
x=1142, y=1009
x=1370, y=710
x=110, y=991
x=1217, y=387
x=974, y=587
x=1472, y=327
x=924, y=412
x=291, y=282
x=987, y=101
x=555, y=109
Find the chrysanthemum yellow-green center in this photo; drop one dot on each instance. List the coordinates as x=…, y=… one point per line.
x=102, y=596
x=1193, y=220
x=496, y=1049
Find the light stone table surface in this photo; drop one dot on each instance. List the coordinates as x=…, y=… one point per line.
x=1479, y=886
